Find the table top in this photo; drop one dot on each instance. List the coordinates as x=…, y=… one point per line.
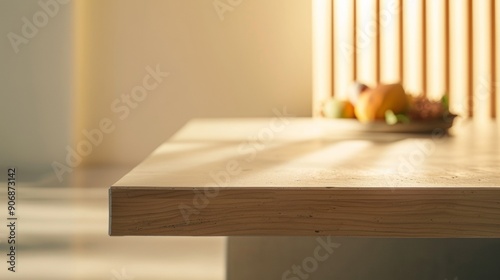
x=302, y=176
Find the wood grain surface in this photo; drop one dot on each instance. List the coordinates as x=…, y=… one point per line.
x=282, y=176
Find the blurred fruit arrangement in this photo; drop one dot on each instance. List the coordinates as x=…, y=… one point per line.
x=386, y=102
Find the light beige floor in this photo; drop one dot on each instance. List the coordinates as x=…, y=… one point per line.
x=63, y=234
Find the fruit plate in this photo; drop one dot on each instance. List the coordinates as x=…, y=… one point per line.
x=412, y=127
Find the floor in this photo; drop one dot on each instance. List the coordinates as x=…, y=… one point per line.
x=62, y=233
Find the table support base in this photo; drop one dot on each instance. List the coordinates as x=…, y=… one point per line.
x=300, y=258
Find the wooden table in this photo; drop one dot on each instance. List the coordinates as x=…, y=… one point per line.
x=311, y=177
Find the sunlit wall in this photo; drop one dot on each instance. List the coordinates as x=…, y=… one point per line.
x=105, y=82
x=223, y=59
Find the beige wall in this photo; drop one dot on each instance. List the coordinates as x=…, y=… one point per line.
x=256, y=58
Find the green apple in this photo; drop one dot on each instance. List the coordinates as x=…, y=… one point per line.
x=335, y=108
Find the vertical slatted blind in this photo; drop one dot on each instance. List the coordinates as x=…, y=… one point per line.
x=434, y=47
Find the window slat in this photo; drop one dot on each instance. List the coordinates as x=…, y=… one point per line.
x=482, y=43
x=390, y=52
x=344, y=47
